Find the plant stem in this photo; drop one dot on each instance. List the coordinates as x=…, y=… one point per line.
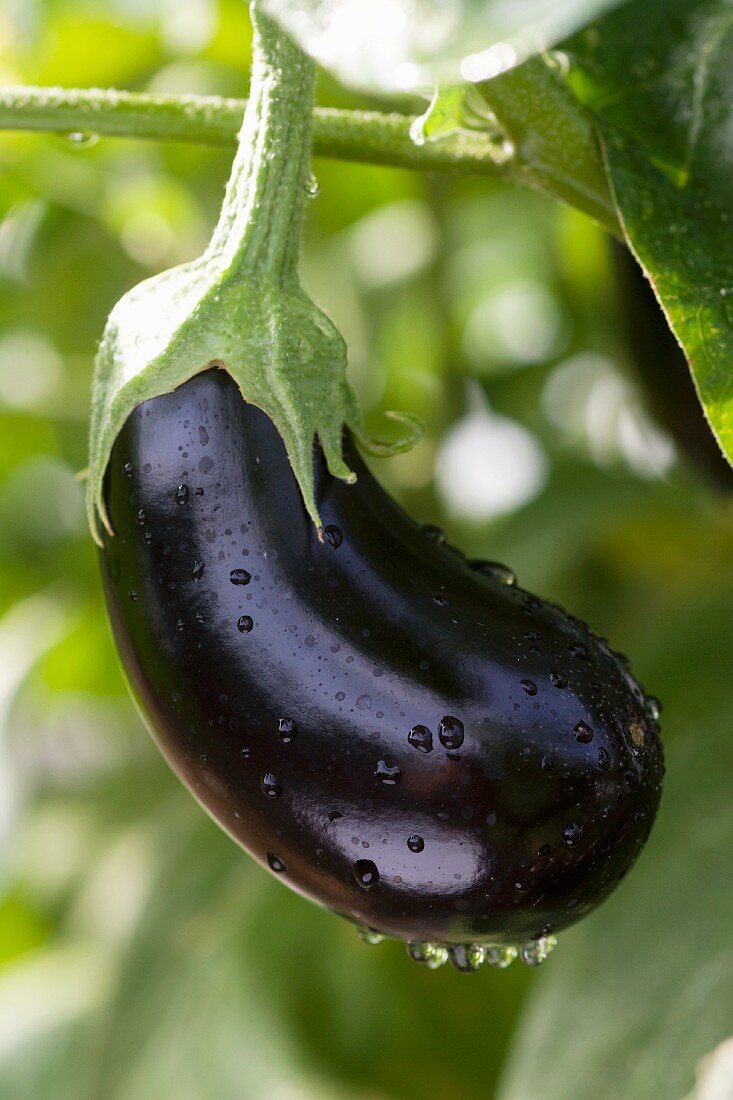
x=259, y=227
x=372, y=137
x=552, y=136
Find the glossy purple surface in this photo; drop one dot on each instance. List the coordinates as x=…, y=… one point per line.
x=282, y=677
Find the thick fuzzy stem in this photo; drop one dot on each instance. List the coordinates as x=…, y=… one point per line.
x=258, y=233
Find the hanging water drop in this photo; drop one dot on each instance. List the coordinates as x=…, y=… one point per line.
x=369, y=935
x=467, y=957
x=501, y=957
x=653, y=707
x=433, y=533
x=535, y=952
x=495, y=571
x=311, y=186
x=431, y=955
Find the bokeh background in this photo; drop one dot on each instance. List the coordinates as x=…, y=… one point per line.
x=142, y=955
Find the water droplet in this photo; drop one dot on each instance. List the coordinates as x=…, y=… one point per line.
x=364, y=702
x=183, y=494
x=440, y=600
x=495, y=571
x=240, y=576
x=203, y=436
x=270, y=785
x=532, y=635
x=311, y=186
x=366, y=873
x=127, y=469
x=141, y=517
x=529, y=686
x=632, y=779
x=415, y=843
x=287, y=730
x=370, y=936
x=245, y=753
x=450, y=732
x=433, y=533
x=583, y=733
x=577, y=649
x=333, y=535
x=276, y=864
x=653, y=707
x=604, y=759
x=467, y=957
x=245, y=624
x=535, y=952
x=572, y=834
x=198, y=570
x=501, y=957
x=133, y=594
x=389, y=773
x=558, y=679
x=421, y=738
x=81, y=139
x=431, y=955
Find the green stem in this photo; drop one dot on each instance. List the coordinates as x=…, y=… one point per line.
x=553, y=137
x=372, y=137
x=259, y=227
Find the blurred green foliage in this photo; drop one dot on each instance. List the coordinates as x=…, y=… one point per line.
x=141, y=954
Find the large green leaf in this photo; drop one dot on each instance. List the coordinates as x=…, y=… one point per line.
x=397, y=44
x=643, y=990
x=658, y=74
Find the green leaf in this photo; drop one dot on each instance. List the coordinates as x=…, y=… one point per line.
x=658, y=75
x=389, y=45
x=642, y=990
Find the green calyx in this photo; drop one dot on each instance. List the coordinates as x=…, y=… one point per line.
x=240, y=307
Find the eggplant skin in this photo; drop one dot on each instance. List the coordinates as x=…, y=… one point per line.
x=395, y=734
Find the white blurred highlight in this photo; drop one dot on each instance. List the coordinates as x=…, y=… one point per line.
x=715, y=1074
x=591, y=402
x=27, y=631
x=393, y=243
x=488, y=63
x=30, y=369
x=516, y=324
x=489, y=465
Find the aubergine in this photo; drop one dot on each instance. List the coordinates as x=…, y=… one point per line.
x=405, y=737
